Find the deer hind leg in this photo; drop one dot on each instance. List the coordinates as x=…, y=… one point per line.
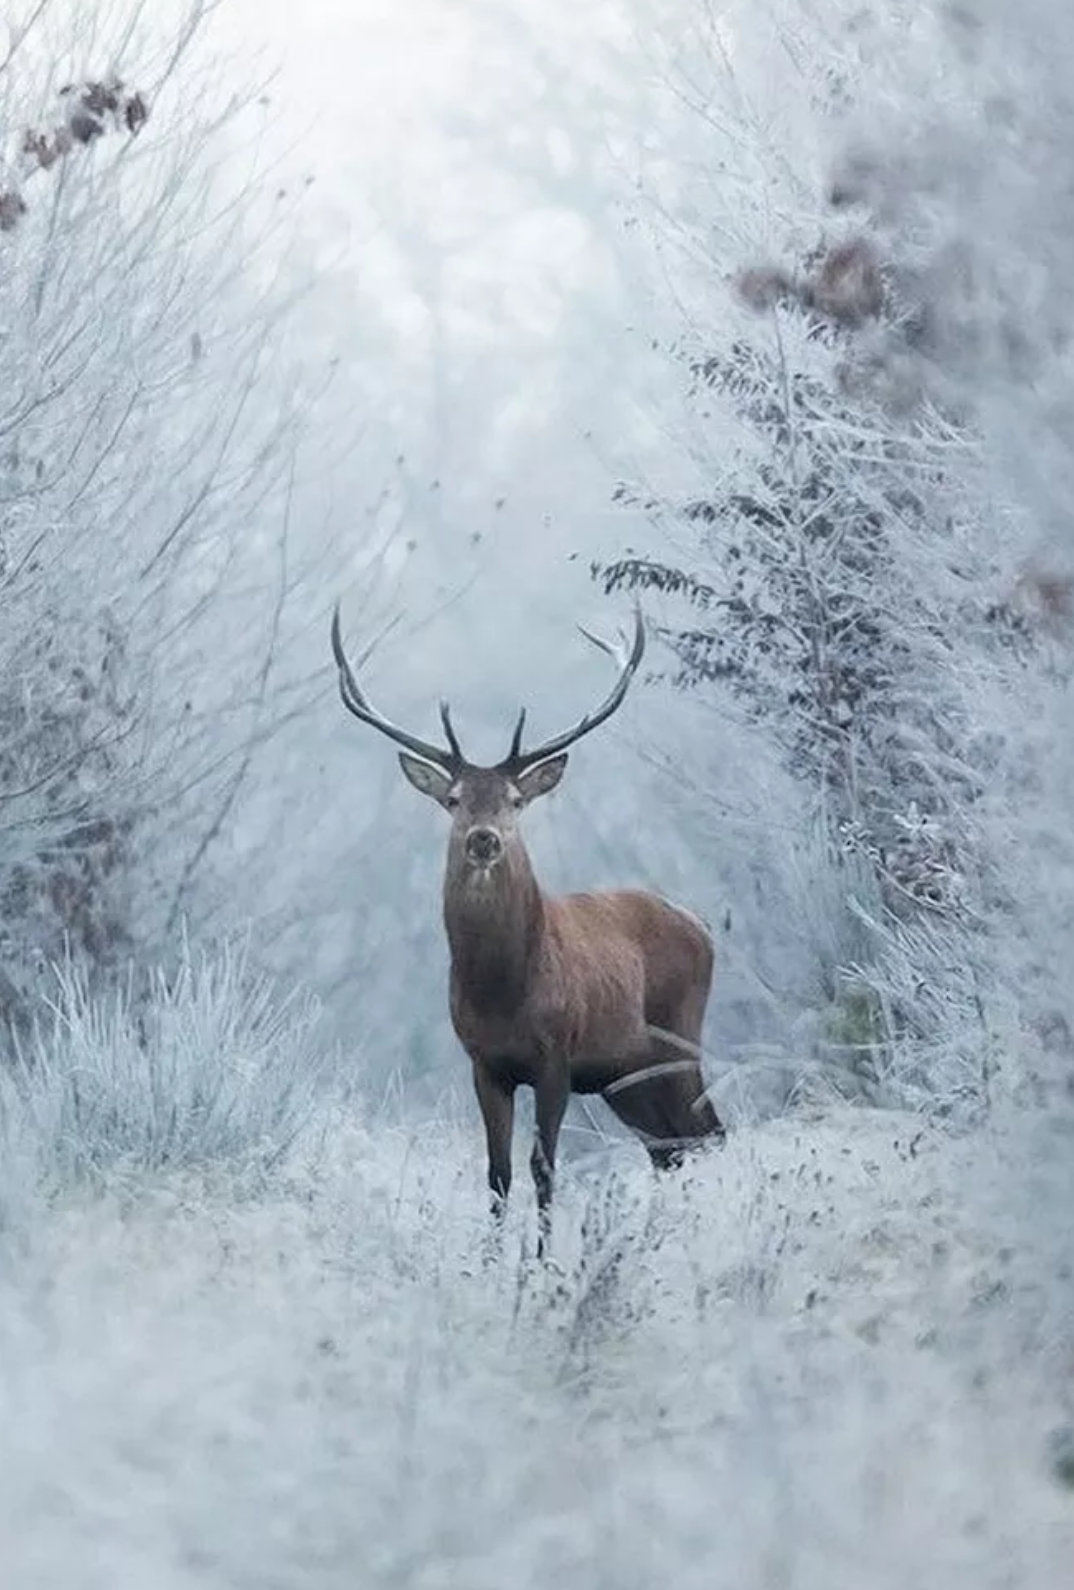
x=551, y=1093
x=695, y=1120
x=692, y=1109
x=644, y=1104
x=670, y=1114
x=668, y=1108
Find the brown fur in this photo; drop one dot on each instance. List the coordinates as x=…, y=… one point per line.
x=561, y=993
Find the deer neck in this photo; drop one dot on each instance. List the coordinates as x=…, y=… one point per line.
x=494, y=928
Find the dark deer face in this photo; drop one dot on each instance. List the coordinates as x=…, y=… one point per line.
x=484, y=804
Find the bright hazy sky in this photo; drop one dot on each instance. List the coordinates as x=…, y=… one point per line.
x=469, y=176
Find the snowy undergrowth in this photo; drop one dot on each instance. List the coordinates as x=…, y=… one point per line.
x=208, y=1066
x=835, y=1353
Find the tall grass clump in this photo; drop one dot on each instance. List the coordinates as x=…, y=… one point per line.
x=203, y=1067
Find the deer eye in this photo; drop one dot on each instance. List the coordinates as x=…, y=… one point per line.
x=515, y=798
x=451, y=800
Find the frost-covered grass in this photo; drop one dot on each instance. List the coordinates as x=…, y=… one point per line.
x=836, y=1354
x=210, y=1067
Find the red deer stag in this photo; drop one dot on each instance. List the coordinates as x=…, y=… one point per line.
x=591, y=993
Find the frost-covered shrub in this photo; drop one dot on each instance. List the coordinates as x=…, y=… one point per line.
x=825, y=551
x=65, y=692
x=207, y=1067
x=954, y=147
x=66, y=851
x=148, y=441
x=834, y=592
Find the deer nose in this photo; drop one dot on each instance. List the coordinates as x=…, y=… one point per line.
x=483, y=845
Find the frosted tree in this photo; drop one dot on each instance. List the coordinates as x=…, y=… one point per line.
x=826, y=571
x=150, y=433
x=958, y=147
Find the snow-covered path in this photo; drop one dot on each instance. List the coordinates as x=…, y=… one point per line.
x=836, y=1354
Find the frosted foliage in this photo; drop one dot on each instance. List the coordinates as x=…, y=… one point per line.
x=170, y=1078
x=151, y=419
x=957, y=141
x=867, y=510
x=824, y=1357
x=250, y=1335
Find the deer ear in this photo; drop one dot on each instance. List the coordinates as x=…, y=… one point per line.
x=430, y=780
x=542, y=779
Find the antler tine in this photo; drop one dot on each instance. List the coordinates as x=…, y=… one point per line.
x=618, y=652
x=518, y=760
x=516, y=738
x=449, y=732
x=357, y=702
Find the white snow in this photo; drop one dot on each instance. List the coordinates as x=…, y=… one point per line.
x=833, y=1354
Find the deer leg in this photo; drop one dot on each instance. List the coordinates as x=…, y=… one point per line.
x=670, y=1112
x=694, y=1117
x=695, y=1109
x=551, y=1093
x=637, y=1104
x=690, y=1120
x=497, y=1100
x=701, y=1114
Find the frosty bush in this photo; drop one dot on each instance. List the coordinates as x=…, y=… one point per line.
x=65, y=702
x=211, y=1068
x=824, y=598
x=954, y=149
x=149, y=428
x=834, y=573
x=834, y=595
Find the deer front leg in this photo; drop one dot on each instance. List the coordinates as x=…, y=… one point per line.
x=551, y=1093
x=497, y=1100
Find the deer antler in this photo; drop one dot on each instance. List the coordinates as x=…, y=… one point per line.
x=516, y=761
x=449, y=757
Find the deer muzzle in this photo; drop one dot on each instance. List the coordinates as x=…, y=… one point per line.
x=483, y=846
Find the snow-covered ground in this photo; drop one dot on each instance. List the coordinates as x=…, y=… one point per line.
x=837, y=1353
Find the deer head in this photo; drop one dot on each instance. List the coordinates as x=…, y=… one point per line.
x=484, y=803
